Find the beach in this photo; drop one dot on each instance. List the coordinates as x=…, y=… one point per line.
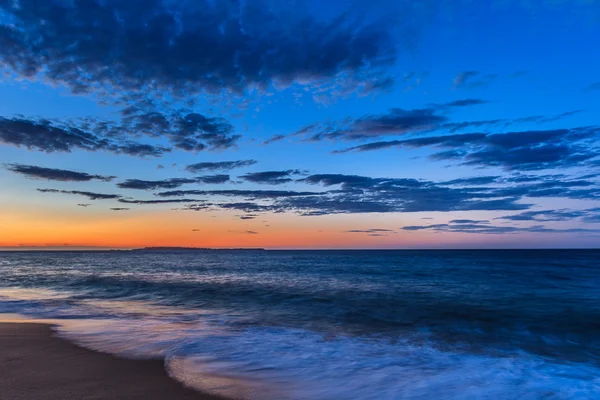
x=36, y=365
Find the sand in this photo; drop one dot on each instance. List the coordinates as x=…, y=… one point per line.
x=35, y=365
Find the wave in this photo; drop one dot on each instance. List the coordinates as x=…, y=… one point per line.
x=209, y=351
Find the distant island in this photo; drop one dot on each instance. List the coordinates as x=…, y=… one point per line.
x=167, y=249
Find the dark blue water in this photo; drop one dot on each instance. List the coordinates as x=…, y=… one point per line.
x=332, y=324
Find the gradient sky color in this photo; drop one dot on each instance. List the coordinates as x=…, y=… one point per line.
x=364, y=124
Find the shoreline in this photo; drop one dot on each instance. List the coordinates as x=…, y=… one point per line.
x=35, y=364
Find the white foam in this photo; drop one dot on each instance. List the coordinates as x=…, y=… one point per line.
x=278, y=363
x=204, y=351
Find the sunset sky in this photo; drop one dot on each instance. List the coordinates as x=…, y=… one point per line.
x=299, y=123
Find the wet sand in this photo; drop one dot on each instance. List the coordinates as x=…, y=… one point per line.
x=35, y=365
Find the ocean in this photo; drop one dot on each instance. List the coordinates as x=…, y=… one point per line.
x=482, y=324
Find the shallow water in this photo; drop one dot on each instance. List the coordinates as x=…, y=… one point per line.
x=331, y=324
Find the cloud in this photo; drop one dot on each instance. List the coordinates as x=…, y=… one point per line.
x=593, y=87
x=274, y=139
x=472, y=80
x=371, y=232
x=185, y=129
x=246, y=232
x=461, y=103
x=249, y=194
x=396, y=121
x=473, y=181
x=83, y=205
x=356, y=194
x=151, y=46
x=171, y=183
x=492, y=229
x=54, y=174
x=524, y=150
x=271, y=177
x=363, y=194
x=90, y=195
x=219, y=166
x=119, y=209
x=170, y=201
x=48, y=136
x=550, y=215
x=469, y=221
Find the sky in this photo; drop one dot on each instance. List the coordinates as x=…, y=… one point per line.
x=299, y=124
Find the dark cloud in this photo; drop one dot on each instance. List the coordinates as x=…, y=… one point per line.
x=526, y=150
x=186, y=130
x=119, y=209
x=593, y=87
x=373, y=232
x=462, y=103
x=473, y=80
x=188, y=47
x=592, y=216
x=395, y=122
x=274, y=139
x=90, y=195
x=550, y=215
x=248, y=216
x=473, y=181
x=219, y=166
x=50, y=137
x=360, y=194
x=519, y=74
x=248, y=207
x=249, y=194
x=83, y=205
x=271, y=177
x=171, y=183
x=492, y=229
x=54, y=174
x=246, y=232
x=469, y=221
x=141, y=202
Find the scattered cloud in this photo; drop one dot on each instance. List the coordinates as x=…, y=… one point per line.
x=169, y=201
x=249, y=194
x=219, y=166
x=525, y=150
x=171, y=183
x=396, y=121
x=45, y=135
x=271, y=177
x=593, y=87
x=371, y=232
x=274, y=139
x=54, y=174
x=90, y=195
x=552, y=215
x=150, y=46
x=473, y=80
x=185, y=129
x=493, y=229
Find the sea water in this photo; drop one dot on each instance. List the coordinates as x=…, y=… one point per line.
x=518, y=324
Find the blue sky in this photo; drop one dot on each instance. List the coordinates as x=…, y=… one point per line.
x=371, y=113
